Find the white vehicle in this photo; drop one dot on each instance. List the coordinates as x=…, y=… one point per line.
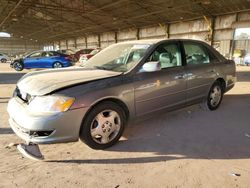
x=4, y=58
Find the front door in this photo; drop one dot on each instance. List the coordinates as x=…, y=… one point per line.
x=33, y=60
x=164, y=89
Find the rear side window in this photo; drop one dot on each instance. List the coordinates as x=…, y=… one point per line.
x=45, y=54
x=196, y=54
x=52, y=53
x=214, y=55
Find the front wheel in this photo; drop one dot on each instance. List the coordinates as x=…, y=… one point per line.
x=103, y=125
x=215, y=96
x=18, y=66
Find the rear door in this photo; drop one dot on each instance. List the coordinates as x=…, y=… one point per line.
x=164, y=89
x=200, y=71
x=47, y=60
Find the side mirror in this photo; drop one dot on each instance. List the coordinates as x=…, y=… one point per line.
x=151, y=66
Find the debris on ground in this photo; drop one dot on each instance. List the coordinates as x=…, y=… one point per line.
x=30, y=151
x=247, y=135
x=235, y=174
x=11, y=145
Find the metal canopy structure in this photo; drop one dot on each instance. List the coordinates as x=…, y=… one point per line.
x=50, y=20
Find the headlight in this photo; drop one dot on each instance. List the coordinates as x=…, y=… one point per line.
x=50, y=104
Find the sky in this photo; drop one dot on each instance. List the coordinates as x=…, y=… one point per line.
x=3, y=34
x=239, y=31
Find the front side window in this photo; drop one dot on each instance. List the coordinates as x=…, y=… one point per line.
x=196, y=54
x=168, y=55
x=118, y=57
x=36, y=54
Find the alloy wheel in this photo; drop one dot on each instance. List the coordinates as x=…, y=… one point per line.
x=18, y=66
x=215, y=96
x=57, y=65
x=105, y=126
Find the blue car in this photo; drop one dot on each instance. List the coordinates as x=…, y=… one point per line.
x=42, y=59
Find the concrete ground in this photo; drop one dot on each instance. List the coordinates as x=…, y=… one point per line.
x=191, y=147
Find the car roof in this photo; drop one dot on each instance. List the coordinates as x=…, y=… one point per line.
x=43, y=51
x=144, y=41
x=154, y=41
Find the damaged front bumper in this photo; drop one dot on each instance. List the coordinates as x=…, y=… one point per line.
x=44, y=129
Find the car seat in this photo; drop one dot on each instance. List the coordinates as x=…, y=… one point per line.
x=166, y=60
x=199, y=59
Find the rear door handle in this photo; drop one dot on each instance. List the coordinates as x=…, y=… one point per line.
x=212, y=71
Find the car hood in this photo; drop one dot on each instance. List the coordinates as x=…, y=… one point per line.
x=47, y=81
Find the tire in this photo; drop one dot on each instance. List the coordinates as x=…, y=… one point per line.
x=105, y=132
x=215, y=96
x=3, y=60
x=57, y=65
x=18, y=66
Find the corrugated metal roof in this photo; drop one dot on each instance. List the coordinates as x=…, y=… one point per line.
x=48, y=20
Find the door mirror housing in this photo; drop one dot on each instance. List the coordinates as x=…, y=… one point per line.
x=151, y=66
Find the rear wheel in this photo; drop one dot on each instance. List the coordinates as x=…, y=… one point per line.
x=57, y=65
x=103, y=125
x=215, y=96
x=18, y=66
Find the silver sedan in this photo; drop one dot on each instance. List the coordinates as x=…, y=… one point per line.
x=124, y=81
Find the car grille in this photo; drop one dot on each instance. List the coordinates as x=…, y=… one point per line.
x=22, y=95
x=32, y=133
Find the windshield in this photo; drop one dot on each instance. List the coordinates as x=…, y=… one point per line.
x=26, y=55
x=118, y=57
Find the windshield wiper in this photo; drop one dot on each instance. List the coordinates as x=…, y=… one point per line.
x=104, y=68
x=101, y=68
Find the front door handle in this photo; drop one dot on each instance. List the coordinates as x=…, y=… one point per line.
x=189, y=74
x=179, y=76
